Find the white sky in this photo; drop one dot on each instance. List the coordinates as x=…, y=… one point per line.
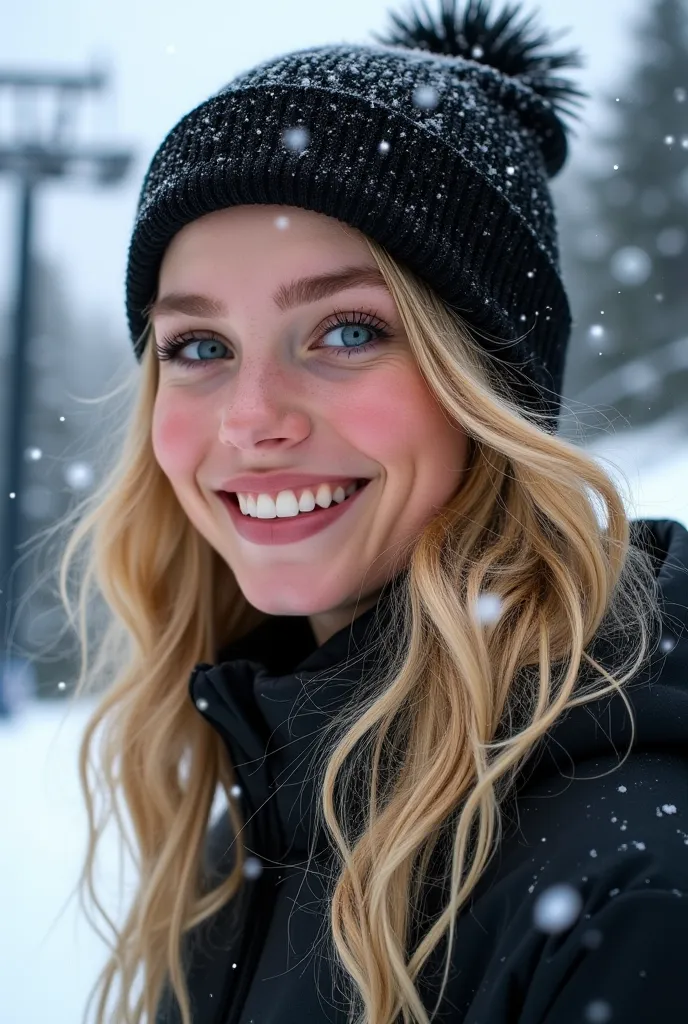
x=166, y=57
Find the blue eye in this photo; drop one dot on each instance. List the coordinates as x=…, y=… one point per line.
x=169, y=349
x=354, y=327
x=359, y=332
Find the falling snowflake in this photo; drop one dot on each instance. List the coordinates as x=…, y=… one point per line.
x=557, y=909
x=384, y=147
x=202, y=704
x=488, y=608
x=477, y=52
x=631, y=265
x=640, y=377
x=253, y=868
x=282, y=223
x=425, y=97
x=592, y=939
x=671, y=241
x=79, y=475
x=680, y=94
x=667, y=644
x=235, y=791
x=296, y=139
x=598, y=1012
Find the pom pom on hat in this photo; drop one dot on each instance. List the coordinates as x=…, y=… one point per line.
x=509, y=47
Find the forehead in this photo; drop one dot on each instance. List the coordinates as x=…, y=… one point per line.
x=265, y=234
x=234, y=253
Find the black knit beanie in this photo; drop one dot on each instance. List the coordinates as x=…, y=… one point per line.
x=438, y=142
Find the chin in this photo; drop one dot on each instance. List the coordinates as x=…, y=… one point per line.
x=283, y=597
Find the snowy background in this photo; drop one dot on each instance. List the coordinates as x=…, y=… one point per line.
x=164, y=62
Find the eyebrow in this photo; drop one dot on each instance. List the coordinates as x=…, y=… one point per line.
x=287, y=296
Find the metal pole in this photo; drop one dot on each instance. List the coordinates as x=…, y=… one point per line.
x=16, y=401
x=33, y=160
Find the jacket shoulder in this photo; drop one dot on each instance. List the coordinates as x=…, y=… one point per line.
x=605, y=848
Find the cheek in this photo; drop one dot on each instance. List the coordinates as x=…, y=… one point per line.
x=398, y=422
x=395, y=416
x=367, y=424
x=176, y=439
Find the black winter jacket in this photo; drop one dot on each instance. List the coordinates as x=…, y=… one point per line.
x=620, y=838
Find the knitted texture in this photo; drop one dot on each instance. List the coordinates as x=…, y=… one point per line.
x=442, y=159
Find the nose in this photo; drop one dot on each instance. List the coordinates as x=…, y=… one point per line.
x=263, y=407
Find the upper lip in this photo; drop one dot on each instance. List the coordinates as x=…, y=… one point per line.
x=273, y=482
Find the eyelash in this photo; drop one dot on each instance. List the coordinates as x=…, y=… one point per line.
x=169, y=348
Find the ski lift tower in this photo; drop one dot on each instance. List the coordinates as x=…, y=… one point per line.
x=36, y=153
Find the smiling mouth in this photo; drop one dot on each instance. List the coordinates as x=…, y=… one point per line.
x=233, y=497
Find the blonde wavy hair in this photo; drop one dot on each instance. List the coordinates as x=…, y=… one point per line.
x=536, y=522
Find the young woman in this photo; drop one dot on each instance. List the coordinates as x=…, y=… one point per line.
x=360, y=589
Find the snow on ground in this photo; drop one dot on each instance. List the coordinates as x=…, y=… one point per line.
x=50, y=956
x=651, y=467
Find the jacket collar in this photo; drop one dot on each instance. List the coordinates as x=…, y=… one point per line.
x=269, y=696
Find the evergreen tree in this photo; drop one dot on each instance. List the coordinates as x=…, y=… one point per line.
x=628, y=254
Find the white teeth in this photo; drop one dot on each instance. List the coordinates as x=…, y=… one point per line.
x=286, y=505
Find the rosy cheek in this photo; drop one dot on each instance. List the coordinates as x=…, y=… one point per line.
x=387, y=417
x=175, y=440
x=369, y=421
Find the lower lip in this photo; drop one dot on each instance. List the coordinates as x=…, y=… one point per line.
x=291, y=529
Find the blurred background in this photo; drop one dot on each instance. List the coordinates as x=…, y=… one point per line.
x=87, y=92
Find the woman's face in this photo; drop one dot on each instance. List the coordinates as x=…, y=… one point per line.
x=272, y=382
